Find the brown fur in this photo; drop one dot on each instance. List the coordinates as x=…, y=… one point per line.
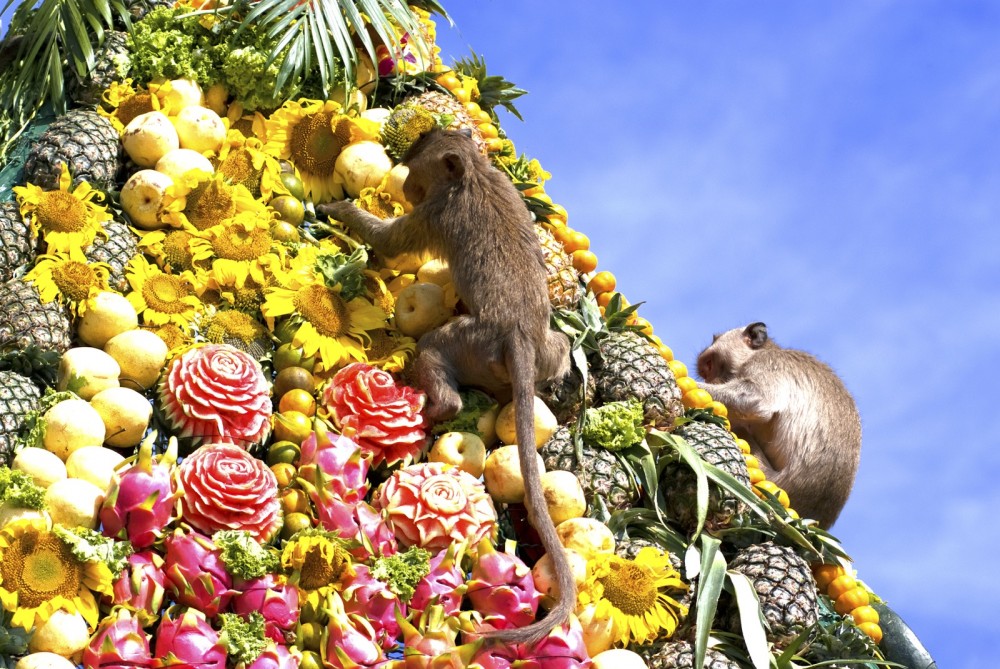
x=470, y=214
x=798, y=417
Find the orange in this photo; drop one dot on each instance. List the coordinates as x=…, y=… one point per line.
x=484, y=116
x=666, y=352
x=494, y=145
x=293, y=184
x=575, y=241
x=864, y=614
x=488, y=130
x=293, y=523
x=744, y=445
x=289, y=355
x=473, y=108
x=604, y=299
x=840, y=585
x=462, y=95
x=293, y=426
x=544, y=197
x=584, y=261
x=872, y=630
x=756, y=475
x=283, y=231
x=602, y=282
x=294, y=500
x=644, y=325
x=752, y=462
x=449, y=81
x=284, y=472
x=292, y=377
x=299, y=400
x=826, y=573
x=718, y=408
x=678, y=368
x=283, y=451
x=288, y=208
x=686, y=384
x=851, y=600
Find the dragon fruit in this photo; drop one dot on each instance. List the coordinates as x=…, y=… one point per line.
x=119, y=643
x=350, y=640
x=502, y=589
x=336, y=465
x=444, y=584
x=563, y=648
x=431, y=642
x=188, y=641
x=275, y=656
x=274, y=598
x=141, y=586
x=196, y=574
x=357, y=521
x=142, y=499
x=372, y=599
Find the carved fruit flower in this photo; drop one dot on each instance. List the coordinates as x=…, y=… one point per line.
x=385, y=417
x=431, y=505
x=226, y=488
x=216, y=393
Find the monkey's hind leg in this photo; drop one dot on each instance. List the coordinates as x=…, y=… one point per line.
x=461, y=352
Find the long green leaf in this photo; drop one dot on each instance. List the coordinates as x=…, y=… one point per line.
x=710, y=581
x=752, y=622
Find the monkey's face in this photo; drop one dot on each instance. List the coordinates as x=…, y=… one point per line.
x=729, y=351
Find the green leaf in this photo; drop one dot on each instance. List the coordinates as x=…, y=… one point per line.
x=752, y=622
x=92, y=546
x=710, y=582
x=697, y=465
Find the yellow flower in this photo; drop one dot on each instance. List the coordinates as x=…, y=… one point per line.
x=323, y=321
x=243, y=161
x=311, y=134
x=233, y=327
x=170, y=248
x=39, y=575
x=317, y=563
x=634, y=594
x=389, y=350
x=161, y=298
x=211, y=202
x=69, y=277
x=378, y=202
x=241, y=247
x=122, y=103
x=66, y=218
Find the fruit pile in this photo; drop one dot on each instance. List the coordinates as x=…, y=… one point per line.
x=210, y=453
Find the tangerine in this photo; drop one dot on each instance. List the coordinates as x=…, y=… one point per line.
x=584, y=261
x=289, y=209
x=298, y=399
x=293, y=377
x=283, y=452
x=294, y=185
x=602, y=282
x=285, y=473
x=293, y=426
x=295, y=522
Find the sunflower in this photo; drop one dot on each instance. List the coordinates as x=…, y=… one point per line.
x=317, y=562
x=40, y=575
x=176, y=337
x=242, y=160
x=121, y=103
x=210, y=202
x=378, y=202
x=389, y=350
x=635, y=594
x=233, y=327
x=241, y=246
x=159, y=297
x=169, y=248
x=69, y=277
x=311, y=134
x=244, y=124
x=66, y=217
x=322, y=320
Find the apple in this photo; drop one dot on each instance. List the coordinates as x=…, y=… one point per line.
x=361, y=165
x=87, y=371
x=148, y=137
x=546, y=581
x=563, y=496
x=587, y=536
x=545, y=423
x=108, y=313
x=502, y=475
x=200, y=129
x=175, y=164
x=420, y=308
x=141, y=355
x=142, y=198
x=125, y=413
x=461, y=449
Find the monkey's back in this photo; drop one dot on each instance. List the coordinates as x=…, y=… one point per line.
x=815, y=427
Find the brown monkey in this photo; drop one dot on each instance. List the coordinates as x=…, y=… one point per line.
x=472, y=216
x=798, y=417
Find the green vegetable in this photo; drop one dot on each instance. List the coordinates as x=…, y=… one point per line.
x=92, y=546
x=345, y=271
x=244, y=639
x=475, y=404
x=403, y=571
x=164, y=45
x=243, y=556
x=19, y=490
x=615, y=425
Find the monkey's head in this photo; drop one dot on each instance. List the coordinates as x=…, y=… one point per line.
x=730, y=350
x=435, y=161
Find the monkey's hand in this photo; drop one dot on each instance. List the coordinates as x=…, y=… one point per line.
x=341, y=210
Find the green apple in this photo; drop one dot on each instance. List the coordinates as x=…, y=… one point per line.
x=461, y=449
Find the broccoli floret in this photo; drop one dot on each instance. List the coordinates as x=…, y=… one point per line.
x=244, y=638
x=615, y=425
x=243, y=556
x=19, y=490
x=403, y=571
x=475, y=405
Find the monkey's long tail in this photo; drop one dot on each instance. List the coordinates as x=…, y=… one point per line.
x=521, y=366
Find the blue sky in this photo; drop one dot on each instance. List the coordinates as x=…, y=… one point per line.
x=832, y=169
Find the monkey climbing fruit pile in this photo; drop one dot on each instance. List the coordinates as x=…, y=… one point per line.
x=213, y=453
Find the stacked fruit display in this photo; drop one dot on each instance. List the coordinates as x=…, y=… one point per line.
x=210, y=452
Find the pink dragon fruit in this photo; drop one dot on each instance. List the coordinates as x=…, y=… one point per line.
x=431, y=643
x=336, y=465
x=118, y=643
x=444, y=584
x=274, y=598
x=502, y=589
x=350, y=640
x=188, y=642
x=357, y=521
x=370, y=598
x=196, y=573
x=142, y=499
x=563, y=648
x=141, y=586
x=275, y=656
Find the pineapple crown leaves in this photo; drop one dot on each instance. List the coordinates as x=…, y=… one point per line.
x=493, y=89
x=91, y=546
x=37, y=364
x=40, y=42
x=13, y=640
x=244, y=638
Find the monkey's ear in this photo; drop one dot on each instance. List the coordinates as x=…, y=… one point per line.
x=465, y=131
x=453, y=165
x=755, y=335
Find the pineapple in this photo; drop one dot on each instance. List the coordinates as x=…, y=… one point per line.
x=602, y=474
x=835, y=637
x=716, y=446
x=25, y=320
x=18, y=396
x=629, y=366
x=680, y=655
x=785, y=587
x=443, y=103
x=85, y=142
x=111, y=64
x=119, y=247
x=565, y=290
x=567, y=396
x=17, y=243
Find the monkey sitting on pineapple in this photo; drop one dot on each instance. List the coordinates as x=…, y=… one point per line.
x=793, y=410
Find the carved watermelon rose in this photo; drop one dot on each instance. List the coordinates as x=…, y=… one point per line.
x=216, y=393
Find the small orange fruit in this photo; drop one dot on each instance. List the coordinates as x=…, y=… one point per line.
x=284, y=472
x=604, y=299
x=288, y=208
x=299, y=400
x=293, y=426
x=294, y=500
x=576, y=241
x=825, y=574
x=840, y=585
x=756, y=475
x=850, y=600
x=718, y=408
x=449, y=81
x=473, y=108
x=864, y=614
x=584, y=261
x=678, y=368
x=698, y=398
x=292, y=377
x=686, y=384
x=666, y=352
x=602, y=282
x=488, y=130
x=872, y=630
x=295, y=522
